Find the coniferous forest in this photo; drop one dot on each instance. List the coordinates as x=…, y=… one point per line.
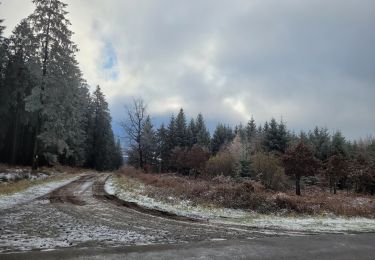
x=267, y=153
x=165, y=176
x=49, y=116
x=47, y=113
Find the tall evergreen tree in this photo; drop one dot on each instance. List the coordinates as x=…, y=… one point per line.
x=338, y=145
x=202, y=134
x=222, y=135
x=251, y=129
x=181, y=129
x=3, y=94
x=105, y=152
x=276, y=136
x=148, y=143
x=163, y=149
x=20, y=78
x=191, y=133
x=56, y=96
x=320, y=140
x=172, y=133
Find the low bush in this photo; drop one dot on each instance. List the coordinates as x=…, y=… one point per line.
x=221, y=191
x=221, y=164
x=225, y=191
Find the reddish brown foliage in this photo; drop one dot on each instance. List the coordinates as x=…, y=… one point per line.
x=226, y=192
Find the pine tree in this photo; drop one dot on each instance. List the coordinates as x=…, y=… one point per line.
x=105, y=153
x=148, y=143
x=19, y=80
x=163, y=149
x=320, y=140
x=222, y=135
x=251, y=130
x=56, y=97
x=202, y=134
x=338, y=145
x=3, y=94
x=181, y=129
x=283, y=137
x=172, y=133
x=191, y=133
x=276, y=136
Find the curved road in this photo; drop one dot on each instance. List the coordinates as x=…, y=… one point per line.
x=80, y=220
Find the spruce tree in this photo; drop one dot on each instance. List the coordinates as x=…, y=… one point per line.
x=181, y=129
x=163, y=149
x=148, y=143
x=222, y=135
x=251, y=130
x=338, y=145
x=202, y=134
x=172, y=133
x=105, y=152
x=19, y=79
x=275, y=137
x=56, y=97
x=320, y=140
x=3, y=94
x=191, y=133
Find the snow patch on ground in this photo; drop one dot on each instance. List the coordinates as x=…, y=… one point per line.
x=9, y=201
x=242, y=217
x=17, y=174
x=37, y=225
x=109, y=187
x=179, y=207
x=308, y=224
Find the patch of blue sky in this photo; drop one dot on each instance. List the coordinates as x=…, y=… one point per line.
x=109, y=61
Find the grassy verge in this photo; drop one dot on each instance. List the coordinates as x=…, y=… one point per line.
x=248, y=195
x=55, y=174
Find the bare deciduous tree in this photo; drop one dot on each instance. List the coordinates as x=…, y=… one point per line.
x=133, y=126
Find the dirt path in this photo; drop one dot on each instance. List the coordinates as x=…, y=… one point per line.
x=81, y=215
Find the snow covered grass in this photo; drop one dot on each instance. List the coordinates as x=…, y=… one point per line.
x=16, y=179
x=133, y=190
x=17, y=174
x=30, y=190
x=13, y=187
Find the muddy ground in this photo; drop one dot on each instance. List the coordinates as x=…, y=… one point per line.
x=81, y=218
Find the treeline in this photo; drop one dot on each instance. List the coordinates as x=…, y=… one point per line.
x=47, y=113
x=267, y=153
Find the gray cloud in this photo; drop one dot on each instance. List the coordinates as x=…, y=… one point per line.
x=310, y=62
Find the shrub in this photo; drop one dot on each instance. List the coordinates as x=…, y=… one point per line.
x=268, y=169
x=220, y=164
x=190, y=160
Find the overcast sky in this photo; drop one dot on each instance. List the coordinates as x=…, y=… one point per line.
x=308, y=62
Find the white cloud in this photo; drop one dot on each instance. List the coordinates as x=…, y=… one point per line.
x=310, y=62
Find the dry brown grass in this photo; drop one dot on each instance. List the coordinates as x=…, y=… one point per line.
x=221, y=191
x=318, y=202
x=226, y=192
x=12, y=187
x=56, y=173
x=62, y=169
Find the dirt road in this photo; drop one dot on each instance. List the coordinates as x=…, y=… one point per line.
x=80, y=216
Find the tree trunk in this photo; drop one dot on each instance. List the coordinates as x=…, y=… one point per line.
x=44, y=71
x=15, y=138
x=140, y=157
x=298, y=187
x=334, y=187
x=35, y=149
